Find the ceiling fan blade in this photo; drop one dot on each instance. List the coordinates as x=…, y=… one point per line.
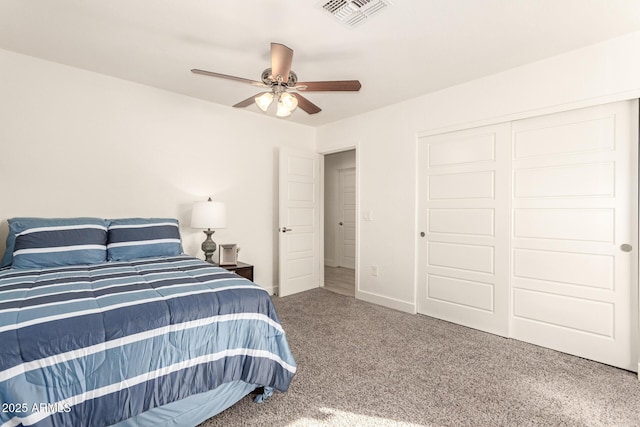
x=225, y=76
x=281, y=58
x=337, y=85
x=306, y=105
x=248, y=101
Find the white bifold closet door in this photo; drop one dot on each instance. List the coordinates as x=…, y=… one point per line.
x=463, y=218
x=531, y=230
x=574, y=208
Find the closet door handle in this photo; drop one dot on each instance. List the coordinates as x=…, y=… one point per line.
x=626, y=247
x=340, y=223
x=285, y=229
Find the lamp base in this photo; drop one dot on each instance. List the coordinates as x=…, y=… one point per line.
x=208, y=246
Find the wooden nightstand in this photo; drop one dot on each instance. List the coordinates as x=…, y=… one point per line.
x=242, y=269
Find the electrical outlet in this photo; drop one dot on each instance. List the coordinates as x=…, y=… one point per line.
x=374, y=270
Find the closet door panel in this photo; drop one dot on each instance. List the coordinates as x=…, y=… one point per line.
x=463, y=258
x=574, y=201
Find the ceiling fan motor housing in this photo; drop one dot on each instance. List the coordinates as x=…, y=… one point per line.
x=270, y=80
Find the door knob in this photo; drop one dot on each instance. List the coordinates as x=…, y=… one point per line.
x=285, y=229
x=626, y=247
x=340, y=223
x=422, y=234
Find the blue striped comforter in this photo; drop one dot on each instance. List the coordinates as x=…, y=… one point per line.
x=97, y=344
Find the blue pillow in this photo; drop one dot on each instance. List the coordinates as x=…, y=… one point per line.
x=133, y=238
x=54, y=242
x=7, y=258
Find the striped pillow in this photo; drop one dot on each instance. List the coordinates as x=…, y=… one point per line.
x=53, y=242
x=133, y=238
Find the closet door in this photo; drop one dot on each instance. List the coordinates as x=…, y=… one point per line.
x=463, y=226
x=573, y=202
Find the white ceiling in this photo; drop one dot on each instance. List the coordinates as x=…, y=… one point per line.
x=410, y=49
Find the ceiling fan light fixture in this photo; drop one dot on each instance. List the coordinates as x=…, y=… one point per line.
x=264, y=101
x=289, y=101
x=283, y=110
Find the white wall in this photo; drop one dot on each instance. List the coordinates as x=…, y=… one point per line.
x=386, y=144
x=332, y=165
x=75, y=143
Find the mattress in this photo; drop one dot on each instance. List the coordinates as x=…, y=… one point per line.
x=99, y=344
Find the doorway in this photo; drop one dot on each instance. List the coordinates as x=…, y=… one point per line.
x=340, y=222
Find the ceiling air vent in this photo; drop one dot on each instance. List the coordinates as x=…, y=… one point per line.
x=354, y=12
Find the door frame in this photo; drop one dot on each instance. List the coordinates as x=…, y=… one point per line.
x=322, y=206
x=635, y=228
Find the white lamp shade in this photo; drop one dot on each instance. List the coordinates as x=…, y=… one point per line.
x=289, y=101
x=264, y=100
x=209, y=215
x=282, y=110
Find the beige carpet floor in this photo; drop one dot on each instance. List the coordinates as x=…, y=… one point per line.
x=364, y=365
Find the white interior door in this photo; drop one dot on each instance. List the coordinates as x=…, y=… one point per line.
x=574, y=204
x=299, y=221
x=347, y=221
x=463, y=226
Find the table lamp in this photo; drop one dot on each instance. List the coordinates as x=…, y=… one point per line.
x=209, y=215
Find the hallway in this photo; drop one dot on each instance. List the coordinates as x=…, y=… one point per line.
x=340, y=280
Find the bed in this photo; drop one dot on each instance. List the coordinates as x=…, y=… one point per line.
x=133, y=334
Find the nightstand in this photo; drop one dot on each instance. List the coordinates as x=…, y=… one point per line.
x=241, y=269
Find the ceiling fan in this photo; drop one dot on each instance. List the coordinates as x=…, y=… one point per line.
x=279, y=79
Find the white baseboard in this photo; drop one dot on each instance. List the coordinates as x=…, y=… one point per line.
x=330, y=263
x=395, y=304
